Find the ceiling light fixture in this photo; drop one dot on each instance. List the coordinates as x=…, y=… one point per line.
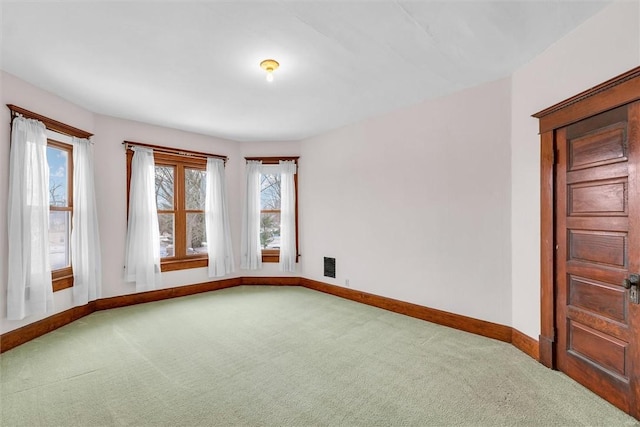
x=269, y=65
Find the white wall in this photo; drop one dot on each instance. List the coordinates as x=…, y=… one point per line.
x=16, y=91
x=415, y=205
x=605, y=46
x=111, y=174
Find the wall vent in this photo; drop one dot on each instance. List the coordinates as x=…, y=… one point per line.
x=330, y=267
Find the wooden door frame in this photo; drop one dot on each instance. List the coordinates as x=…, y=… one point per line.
x=613, y=93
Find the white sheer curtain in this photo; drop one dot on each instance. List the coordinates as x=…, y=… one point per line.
x=142, y=255
x=29, y=279
x=250, y=243
x=287, y=216
x=85, y=237
x=219, y=247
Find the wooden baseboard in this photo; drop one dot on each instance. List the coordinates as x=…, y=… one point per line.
x=521, y=341
x=456, y=321
x=34, y=330
x=161, y=294
x=29, y=332
x=546, y=351
x=271, y=281
x=525, y=343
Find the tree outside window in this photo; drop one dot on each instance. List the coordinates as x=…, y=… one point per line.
x=270, y=211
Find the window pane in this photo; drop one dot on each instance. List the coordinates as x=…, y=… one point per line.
x=194, y=181
x=165, y=221
x=164, y=188
x=196, y=234
x=270, y=191
x=58, y=161
x=59, y=238
x=270, y=230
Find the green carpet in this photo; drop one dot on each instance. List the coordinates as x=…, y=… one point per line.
x=281, y=356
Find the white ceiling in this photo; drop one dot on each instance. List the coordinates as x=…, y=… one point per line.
x=194, y=65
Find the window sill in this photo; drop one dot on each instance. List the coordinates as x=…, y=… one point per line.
x=61, y=282
x=270, y=255
x=183, y=264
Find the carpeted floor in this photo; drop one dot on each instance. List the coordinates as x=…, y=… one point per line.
x=281, y=356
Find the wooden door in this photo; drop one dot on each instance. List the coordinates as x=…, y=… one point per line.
x=598, y=246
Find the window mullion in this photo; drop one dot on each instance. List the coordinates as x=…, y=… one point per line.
x=180, y=218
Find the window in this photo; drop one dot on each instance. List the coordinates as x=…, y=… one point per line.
x=270, y=198
x=180, y=199
x=180, y=193
x=270, y=211
x=60, y=161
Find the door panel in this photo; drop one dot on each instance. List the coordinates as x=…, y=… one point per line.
x=602, y=247
x=596, y=199
x=605, y=145
x=608, y=352
x=598, y=297
x=597, y=220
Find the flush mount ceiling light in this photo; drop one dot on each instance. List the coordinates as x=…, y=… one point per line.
x=269, y=65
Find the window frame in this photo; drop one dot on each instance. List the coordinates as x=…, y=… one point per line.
x=180, y=259
x=273, y=255
x=63, y=278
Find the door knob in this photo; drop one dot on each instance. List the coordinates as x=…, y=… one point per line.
x=632, y=284
x=633, y=280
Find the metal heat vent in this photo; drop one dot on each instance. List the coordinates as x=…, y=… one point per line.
x=330, y=267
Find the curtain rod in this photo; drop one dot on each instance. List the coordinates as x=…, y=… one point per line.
x=50, y=124
x=273, y=160
x=168, y=150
